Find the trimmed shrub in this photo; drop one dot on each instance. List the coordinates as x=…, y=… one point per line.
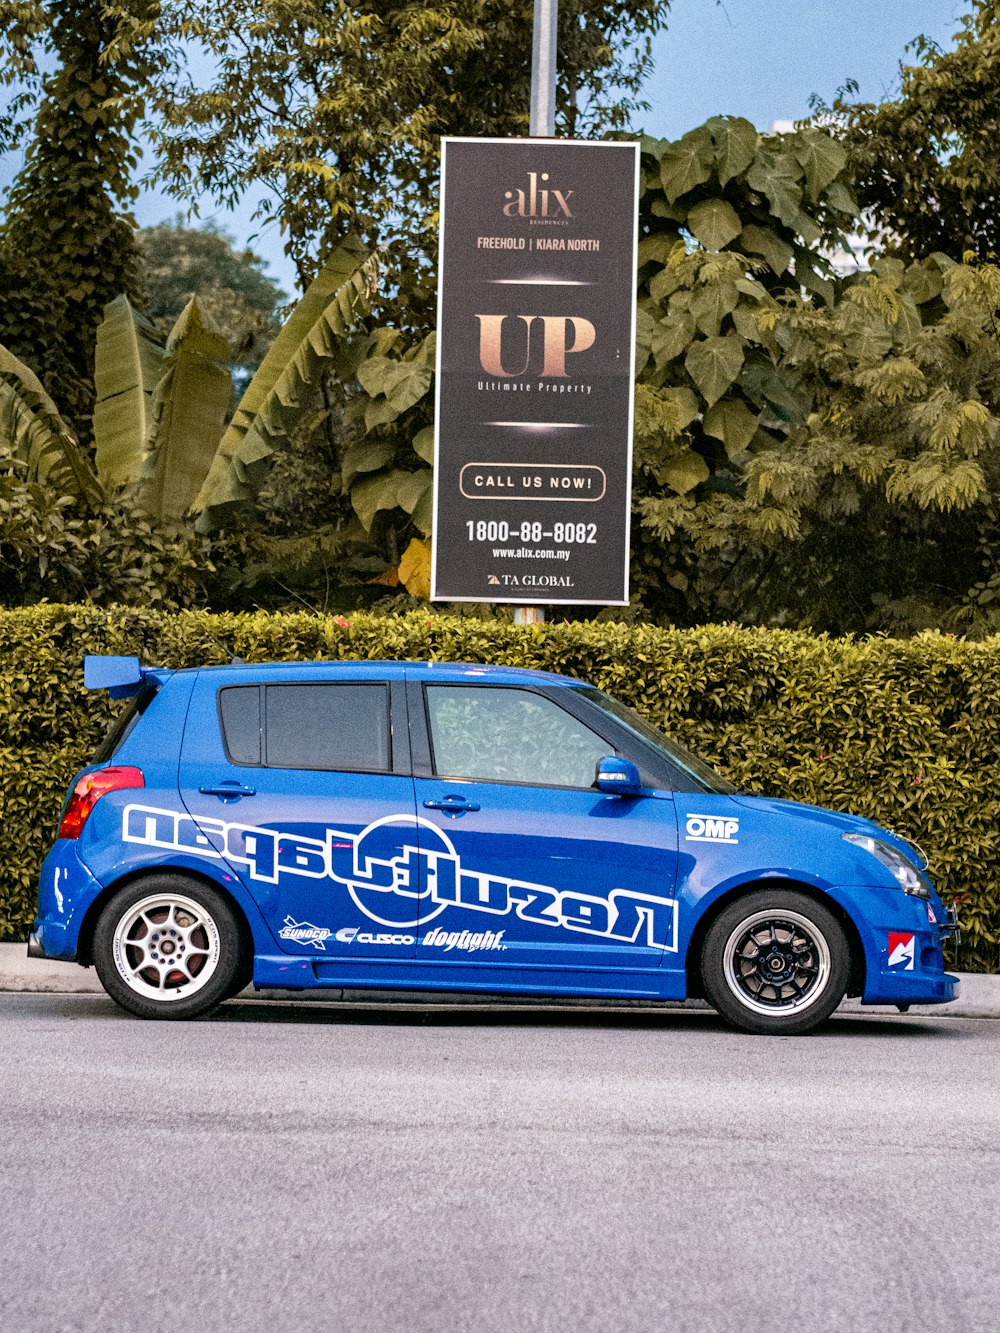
x=906, y=732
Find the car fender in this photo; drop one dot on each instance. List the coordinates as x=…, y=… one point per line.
x=215, y=873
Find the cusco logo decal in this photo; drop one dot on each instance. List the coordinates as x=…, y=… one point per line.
x=901, y=951
x=710, y=828
x=398, y=881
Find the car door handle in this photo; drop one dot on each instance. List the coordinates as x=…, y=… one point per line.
x=229, y=791
x=455, y=805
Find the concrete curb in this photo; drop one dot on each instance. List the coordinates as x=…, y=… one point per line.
x=979, y=998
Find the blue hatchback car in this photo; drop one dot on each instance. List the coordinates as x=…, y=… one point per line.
x=430, y=826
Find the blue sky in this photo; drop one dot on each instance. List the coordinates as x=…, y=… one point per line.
x=756, y=58
x=764, y=58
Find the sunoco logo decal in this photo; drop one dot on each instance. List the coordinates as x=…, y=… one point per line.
x=301, y=932
x=396, y=881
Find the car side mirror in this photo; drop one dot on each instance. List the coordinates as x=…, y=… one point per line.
x=618, y=777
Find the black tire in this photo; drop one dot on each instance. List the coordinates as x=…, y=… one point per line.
x=168, y=946
x=244, y=973
x=775, y=963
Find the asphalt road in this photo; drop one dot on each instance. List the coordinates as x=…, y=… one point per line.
x=297, y=1167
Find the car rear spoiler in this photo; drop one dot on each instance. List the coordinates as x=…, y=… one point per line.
x=120, y=676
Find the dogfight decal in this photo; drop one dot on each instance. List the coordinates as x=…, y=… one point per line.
x=400, y=887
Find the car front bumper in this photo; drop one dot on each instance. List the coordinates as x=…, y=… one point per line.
x=903, y=938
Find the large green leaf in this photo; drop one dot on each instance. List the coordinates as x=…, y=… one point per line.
x=715, y=223
x=764, y=241
x=712, y=302
x=838, y=196
x=367, y=456
x=371, y=494
x=128, y=364
x=188, y=416
x=286, y=380
x=732, y=422
x=686, y=163
x=765, y=385
x=777, y=175
x=395, y=385
x=397, y=489
x=423, y=444
x=35, y=433
x=672, y=336
x=735, y=141
x=821, y=157
x=713, y=364
x=684, y=472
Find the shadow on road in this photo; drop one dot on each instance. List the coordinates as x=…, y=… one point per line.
x=544, y=1016
x=334, y=1013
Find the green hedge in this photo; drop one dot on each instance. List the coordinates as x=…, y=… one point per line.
x=907, y=732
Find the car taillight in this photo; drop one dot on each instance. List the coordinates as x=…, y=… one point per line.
x=89, y=790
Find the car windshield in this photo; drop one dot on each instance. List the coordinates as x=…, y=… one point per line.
x=678, y=755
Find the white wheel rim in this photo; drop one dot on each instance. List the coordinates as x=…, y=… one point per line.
x=166, y=947
x=779, y=993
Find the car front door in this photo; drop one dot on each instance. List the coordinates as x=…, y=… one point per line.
x=302, y=784
x=529, y=868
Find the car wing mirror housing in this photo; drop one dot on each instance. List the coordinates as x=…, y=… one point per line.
x=618, y=777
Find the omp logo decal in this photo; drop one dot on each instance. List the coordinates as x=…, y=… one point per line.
x=709, y=828
x=902, y=953
x=304, y=933
x=387, y=875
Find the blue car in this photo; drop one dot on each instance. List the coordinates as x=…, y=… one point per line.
x=440, y=827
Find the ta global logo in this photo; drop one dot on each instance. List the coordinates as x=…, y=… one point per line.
x=532, y=580
x=538, y=201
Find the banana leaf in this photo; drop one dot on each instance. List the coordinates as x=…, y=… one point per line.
x=284, y=385
x=35, y=433
x=188, y=412
x=128, y=364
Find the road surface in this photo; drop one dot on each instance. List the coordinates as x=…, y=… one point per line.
x=302, y=1167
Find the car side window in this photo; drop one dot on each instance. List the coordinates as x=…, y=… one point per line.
x=500, y=734
x=335, y=727
x=239, y=710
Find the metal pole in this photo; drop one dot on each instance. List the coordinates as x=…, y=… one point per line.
x=543, y=69
x=542, y=125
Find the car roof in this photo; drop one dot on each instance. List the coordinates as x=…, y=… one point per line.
x=443, y=672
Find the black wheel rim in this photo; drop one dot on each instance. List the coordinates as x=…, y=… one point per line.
x=777, y=962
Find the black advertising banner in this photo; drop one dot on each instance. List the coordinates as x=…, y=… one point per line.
x=536, y=330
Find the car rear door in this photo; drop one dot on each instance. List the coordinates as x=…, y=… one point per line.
x=299, y=778
x=528, y=866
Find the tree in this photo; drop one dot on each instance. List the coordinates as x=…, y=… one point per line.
x=348, y=102
x=66, y=244
x=233, y=291
x=924, y=165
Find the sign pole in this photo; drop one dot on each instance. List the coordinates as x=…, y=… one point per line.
x=542, y=125
x=543, y=70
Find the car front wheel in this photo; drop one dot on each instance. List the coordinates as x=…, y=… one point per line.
x=775, y=963
x=167, y=946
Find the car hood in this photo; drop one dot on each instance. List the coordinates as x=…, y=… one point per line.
x=834, y=820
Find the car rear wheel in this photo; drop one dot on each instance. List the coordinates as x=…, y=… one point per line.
x=775, y=963
x=167, y=946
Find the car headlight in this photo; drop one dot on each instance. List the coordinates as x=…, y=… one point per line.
x=895, y=862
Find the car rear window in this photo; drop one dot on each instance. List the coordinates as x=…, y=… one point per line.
x=125, y=722
x=314, y=726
